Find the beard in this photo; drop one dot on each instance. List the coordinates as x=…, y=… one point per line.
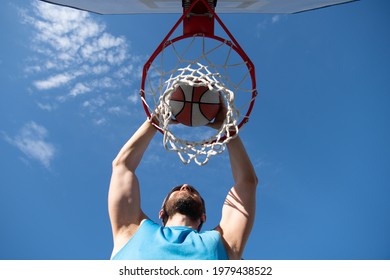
x=185, y=204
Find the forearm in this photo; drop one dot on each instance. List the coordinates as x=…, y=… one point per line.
x=239, y=208
x=132, y=152
x=242, y=168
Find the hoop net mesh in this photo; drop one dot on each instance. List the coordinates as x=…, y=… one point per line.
x=198, y=61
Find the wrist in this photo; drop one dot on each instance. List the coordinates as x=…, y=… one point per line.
x=152, y=122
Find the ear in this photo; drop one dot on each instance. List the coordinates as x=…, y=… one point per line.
x=203, y=218
x=161, y=214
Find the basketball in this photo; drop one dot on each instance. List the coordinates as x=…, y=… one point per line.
x=194, y=105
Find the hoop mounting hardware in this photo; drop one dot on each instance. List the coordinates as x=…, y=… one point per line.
x=198, y=19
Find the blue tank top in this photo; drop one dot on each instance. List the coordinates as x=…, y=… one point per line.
x=154, y=242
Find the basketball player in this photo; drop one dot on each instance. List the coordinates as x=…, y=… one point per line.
x=183, y=211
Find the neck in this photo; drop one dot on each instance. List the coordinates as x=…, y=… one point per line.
x=182, y=220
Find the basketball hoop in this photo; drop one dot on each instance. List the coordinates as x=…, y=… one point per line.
x=199, y=151
x=198, y=50
x=198, y=58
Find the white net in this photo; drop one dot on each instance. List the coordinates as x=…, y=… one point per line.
x=198, y=61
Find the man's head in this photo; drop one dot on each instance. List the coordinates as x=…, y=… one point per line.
x=185, y=200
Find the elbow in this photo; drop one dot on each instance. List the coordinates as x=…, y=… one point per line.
x=250, y=181
x=119, y=161
x=256, y=180
x=251, y=177
x=253, y=180
x=122, y=162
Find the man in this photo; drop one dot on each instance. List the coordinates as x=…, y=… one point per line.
x=183, y=211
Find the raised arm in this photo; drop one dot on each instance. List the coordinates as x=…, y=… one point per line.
x=124, y=193
x=238, y=211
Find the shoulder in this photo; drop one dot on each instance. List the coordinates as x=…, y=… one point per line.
x=212, y=237
x=211, y=234
x=123, y=237
x=214, y=242
x=232, y=255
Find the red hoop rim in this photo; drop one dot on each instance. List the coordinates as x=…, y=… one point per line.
x=232, y=43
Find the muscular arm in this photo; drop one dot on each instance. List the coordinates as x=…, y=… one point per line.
x=238, y=211
x=124, y=193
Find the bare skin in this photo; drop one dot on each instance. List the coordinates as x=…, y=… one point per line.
x=125, y=211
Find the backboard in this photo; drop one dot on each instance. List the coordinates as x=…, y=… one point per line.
x=175, y=6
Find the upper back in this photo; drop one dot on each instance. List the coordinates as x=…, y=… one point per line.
x=152, y=242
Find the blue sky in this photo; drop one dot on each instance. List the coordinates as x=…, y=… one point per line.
x=318, y=136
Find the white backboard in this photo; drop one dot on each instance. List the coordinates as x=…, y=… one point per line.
x=175, y=6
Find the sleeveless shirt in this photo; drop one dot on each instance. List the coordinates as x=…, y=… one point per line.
x=154, y=242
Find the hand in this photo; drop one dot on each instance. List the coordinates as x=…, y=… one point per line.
x=155, y=117
x=220, y=117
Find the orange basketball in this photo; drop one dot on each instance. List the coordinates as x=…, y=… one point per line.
x=194, y=105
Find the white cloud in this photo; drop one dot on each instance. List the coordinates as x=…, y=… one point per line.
x=46, y=107
x=100, y=69
x=99, y=122
x=94, y=104
x=267, y=22
x=115, y=110
x=74, y=55
x=79, y=88
x=134, y=98
x=53, y=82
x=31, y=140
x=275, y=18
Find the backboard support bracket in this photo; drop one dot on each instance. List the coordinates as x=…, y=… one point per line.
x=199, y=17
